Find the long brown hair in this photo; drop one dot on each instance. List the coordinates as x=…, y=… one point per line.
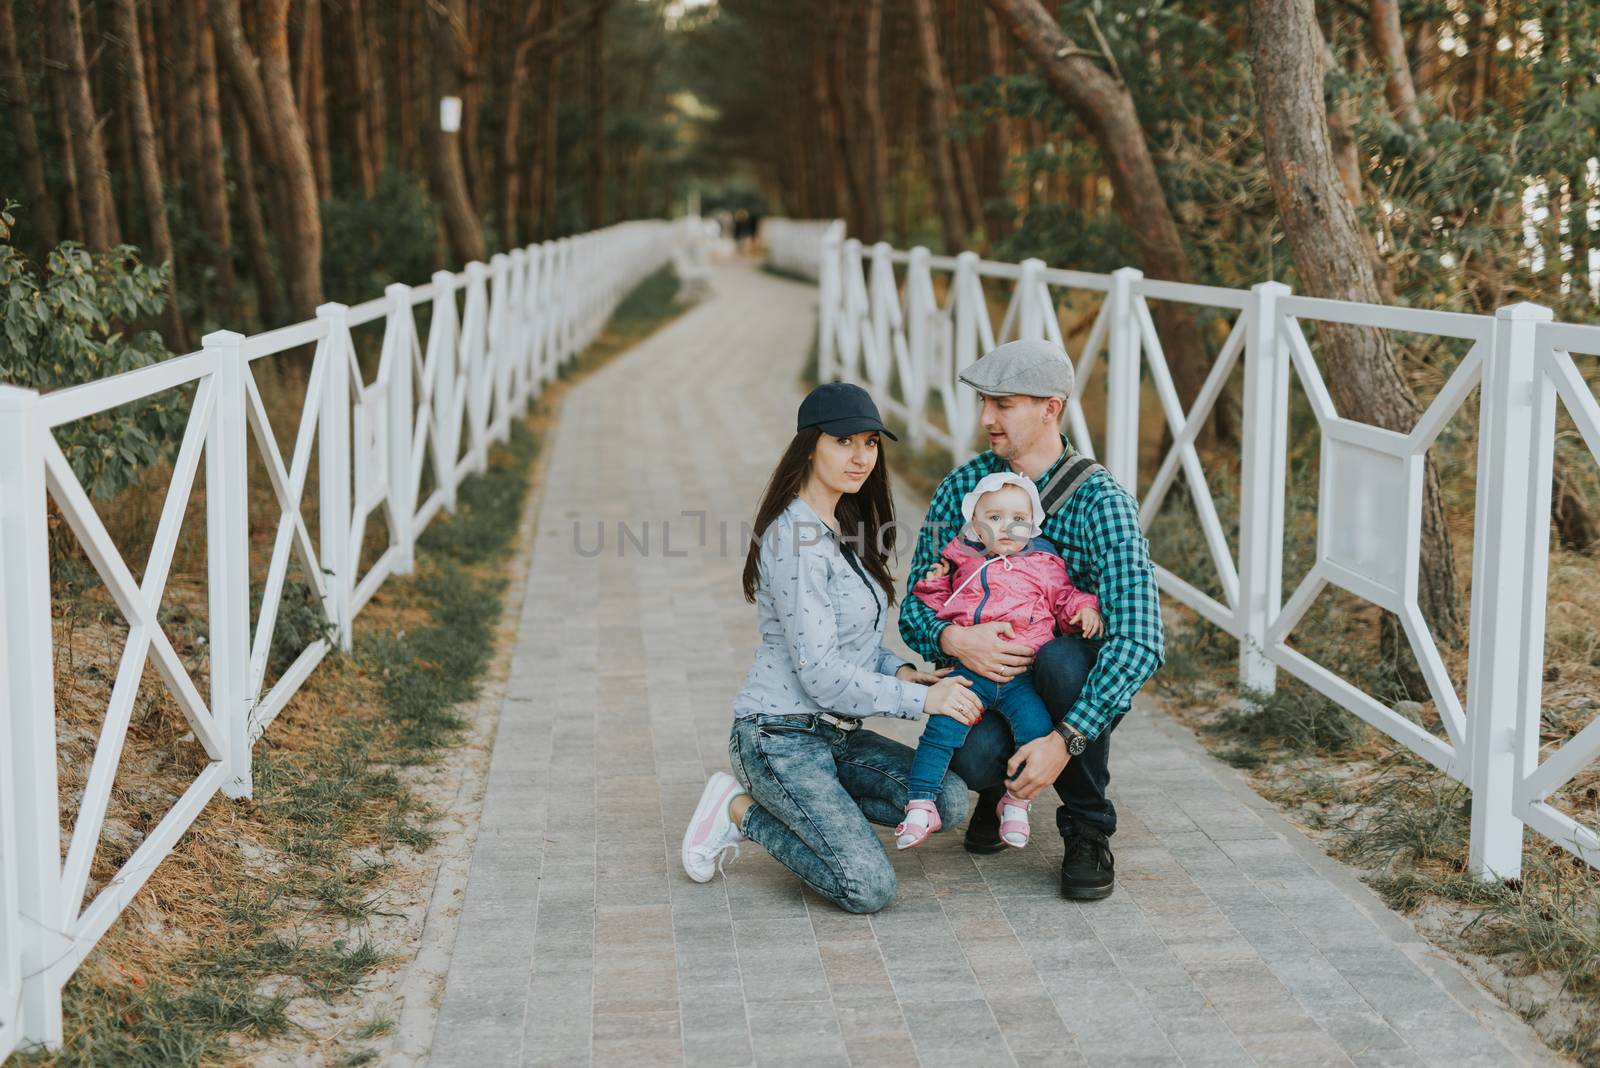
x=866, y=517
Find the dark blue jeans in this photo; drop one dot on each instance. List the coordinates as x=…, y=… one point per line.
x=1017, y=702
x=1059, y=672
x=817, y=790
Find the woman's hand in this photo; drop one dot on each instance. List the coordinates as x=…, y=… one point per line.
x=937, y=571
x=953, y=697
x=1088, y=620
x=908, y=673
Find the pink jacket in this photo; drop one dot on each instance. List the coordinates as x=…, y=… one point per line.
x=1030, y=590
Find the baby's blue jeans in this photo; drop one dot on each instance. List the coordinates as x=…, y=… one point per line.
x=1015, y=699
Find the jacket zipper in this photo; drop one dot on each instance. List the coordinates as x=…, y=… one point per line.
x=983, y=580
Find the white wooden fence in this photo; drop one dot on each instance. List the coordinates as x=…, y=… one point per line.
x=435, y=404
x=795, y=245
x=884, y=323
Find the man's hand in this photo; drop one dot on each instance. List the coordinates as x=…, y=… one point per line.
x=985, y=650
x=1041, y=760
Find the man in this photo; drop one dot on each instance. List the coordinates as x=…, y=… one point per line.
x=1087, y=685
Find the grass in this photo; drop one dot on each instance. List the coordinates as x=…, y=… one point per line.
x=785, y=273
x=268, y=901
x=1295, y=719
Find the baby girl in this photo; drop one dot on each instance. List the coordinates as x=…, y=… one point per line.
x=997, y=569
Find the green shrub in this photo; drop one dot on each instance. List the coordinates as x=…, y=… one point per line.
x=77, y=322
x=369, y=243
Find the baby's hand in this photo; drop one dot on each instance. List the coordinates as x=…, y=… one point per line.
x=1088, y=620
x=939, y=570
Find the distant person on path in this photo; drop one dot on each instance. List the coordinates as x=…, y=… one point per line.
x=1087, y=683
x=996, y=570
x=811, y=779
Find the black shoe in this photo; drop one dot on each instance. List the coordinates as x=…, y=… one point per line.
x=1087, y=869
x=983, y=828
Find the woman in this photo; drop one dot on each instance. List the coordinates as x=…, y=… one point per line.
x=809, y=778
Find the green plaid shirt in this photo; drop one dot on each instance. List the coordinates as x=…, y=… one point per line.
x=1097, y=533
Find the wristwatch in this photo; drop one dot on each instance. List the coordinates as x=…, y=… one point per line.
x=1076, y=742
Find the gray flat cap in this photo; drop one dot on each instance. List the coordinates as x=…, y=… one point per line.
x=1029, y=368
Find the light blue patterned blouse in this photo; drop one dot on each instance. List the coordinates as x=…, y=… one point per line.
x=821, y=623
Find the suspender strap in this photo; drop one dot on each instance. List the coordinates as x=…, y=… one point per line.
x=1065, y=482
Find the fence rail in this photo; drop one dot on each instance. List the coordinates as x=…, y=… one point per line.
x=426, y=419
x=884, y=321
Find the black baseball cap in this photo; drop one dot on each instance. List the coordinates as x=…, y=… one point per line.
x=841, y=409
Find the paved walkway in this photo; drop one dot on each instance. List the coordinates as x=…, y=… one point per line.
x=1230, y=939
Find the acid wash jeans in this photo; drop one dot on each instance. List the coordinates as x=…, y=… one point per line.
x=817, y=788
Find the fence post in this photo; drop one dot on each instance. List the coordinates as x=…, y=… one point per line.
x=1122, y=381
x=399, y=337
x=444, y=383
x=228, y=560
x=1261, y=484
x=1030, y=317
x=921, y=308
x=501, y=346
x=10, y=936
x=828, y=292
x=28, y=730
x=474, y=332
x=333, y=471
x=1502, y=723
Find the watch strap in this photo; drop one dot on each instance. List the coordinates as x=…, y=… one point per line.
x=1076, y=742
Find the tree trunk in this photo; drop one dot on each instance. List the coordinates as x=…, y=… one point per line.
x=267, y=99
x=155, y=204
x=846, y=119
x=1330, y=258
x=99, y=209
x=40, y=206
x=596, y=169
x=369, y=39
x=268, y=297
x=549, y=137
x=132, y=196
x=1341, y=138
x=998, y=138
x=354, y=88
x=936, y=130
x=875, y=151
x=470, y=89
x=1389, y=43
x=185, y=31
x=55, y=79
x=157, y=26
x=958, y=46
x=311, y=95
x=213, y=185
x=445, y=169
x=511, y=130
x=831, y=123
x=409, y=51
x=249, y=92
x=1106, y=109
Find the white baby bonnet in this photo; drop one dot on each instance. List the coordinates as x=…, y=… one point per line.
x=991, y=482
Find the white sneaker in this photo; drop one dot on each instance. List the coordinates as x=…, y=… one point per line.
x=712, y=831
